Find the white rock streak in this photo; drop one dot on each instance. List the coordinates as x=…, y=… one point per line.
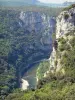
x=24, y=84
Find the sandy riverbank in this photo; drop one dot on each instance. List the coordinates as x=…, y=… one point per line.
x=24, y=84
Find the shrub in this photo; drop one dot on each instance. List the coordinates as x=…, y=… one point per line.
x=66, y=16
x=62, y=40
x=56, y=62
x=62, y=47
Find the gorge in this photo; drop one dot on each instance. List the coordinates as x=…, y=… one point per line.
x=25, y=40
x=37, y=44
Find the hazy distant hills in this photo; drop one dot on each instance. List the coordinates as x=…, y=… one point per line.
x=68, y=3
x=17, y=2
x=30, y=2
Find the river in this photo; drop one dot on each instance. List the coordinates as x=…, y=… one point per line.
x=29, y=78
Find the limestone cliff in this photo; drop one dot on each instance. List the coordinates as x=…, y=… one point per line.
x=39, y=23
x=65, y=31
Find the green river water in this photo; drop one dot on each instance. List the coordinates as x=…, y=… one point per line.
x=30, y=76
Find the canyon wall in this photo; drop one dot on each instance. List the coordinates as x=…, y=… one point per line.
x=65, y=31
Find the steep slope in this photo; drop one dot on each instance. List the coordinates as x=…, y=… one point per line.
x=65, y=25
x=65, y=31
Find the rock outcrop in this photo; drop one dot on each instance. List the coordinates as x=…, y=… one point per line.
x=39, y=24
x=65, y=30
x=65, y=23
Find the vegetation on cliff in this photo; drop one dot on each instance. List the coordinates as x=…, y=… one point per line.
x=43, y=67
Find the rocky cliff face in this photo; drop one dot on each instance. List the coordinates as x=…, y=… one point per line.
x=65, y=31
x=39, y=24
x=65, y=22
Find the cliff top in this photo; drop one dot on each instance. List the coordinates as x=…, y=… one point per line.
x=71, y=6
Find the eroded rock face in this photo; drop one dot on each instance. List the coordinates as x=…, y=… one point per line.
x=39, y=24
x=65, y=24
